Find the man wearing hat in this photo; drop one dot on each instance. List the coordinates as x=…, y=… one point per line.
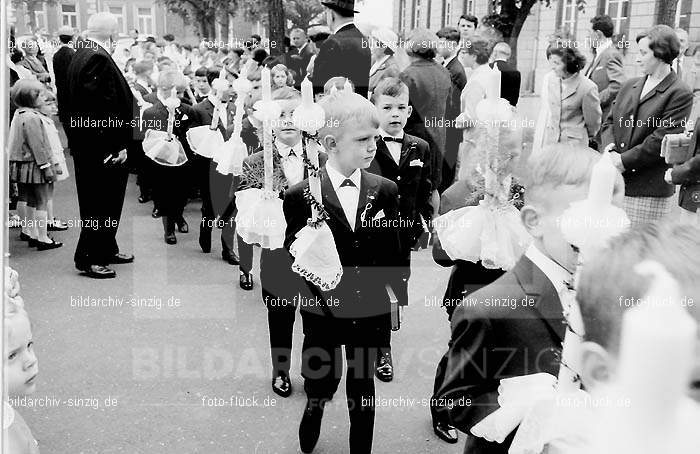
x=345, y=53
x=61, y=60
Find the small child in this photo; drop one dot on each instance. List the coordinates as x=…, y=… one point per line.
x=201, y=85
x=281, y=77
x=50, y=109
x=21, y=368
x=405, y=160
x=31, y=162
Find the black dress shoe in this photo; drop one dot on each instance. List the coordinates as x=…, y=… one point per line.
x=56, y=225
x=205, y=240
x=170, y=238
x=385, y=368
x=445, y=431
x=282, y=385
x=121, y=258
x=182, y=226
x=310, y=427
x=246, y=281
x=144, y=198
x=53, y=244
x=156, y=213
x=97, y=271
x=24, y=237
x=229, y=257
x=33, y=242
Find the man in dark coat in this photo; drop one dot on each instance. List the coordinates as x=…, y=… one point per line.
x=510, y=76
x=61, y=61
x=345, y=53
x=299, y=55
x=100, y=129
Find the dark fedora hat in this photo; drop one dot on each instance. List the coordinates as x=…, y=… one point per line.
x=342, y=5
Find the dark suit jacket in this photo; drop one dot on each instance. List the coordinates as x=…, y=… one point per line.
x=609, y=75
x=510, y=81
x=98, y=91
x=638, y=126
x=156, y=117
x=204, y=111
x=490, y=343
x=370, y=255
x=429, y=86
x=297, y=61
x=459, y=80
x=344, y=54
x=413, y=181
x=61, y=61
x=688, y=175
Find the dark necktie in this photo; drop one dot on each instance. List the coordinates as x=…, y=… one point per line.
x=392, y=139
x=347, y=182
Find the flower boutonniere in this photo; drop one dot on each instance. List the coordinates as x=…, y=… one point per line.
x=370, y=202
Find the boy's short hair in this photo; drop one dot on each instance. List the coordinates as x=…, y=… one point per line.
x=212, y=74
x=142, y=67
x=469, y=18
x=170, y=78
x=25, y=92
x=481, y=48
x=286, y=94
x=450, y=34
x=337, y=82
x=201, y=72
x=608, y=284
x=560, y=165
x=342, y=107
x=389, y=86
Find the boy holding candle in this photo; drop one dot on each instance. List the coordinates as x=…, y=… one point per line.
x=608, y=287
x=356, y=313
x=405, y=160
x=169, y=188
x=279, y=284
x=490, y=341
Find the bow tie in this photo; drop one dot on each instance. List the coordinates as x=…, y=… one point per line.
x=347, y=182
x=392, y=139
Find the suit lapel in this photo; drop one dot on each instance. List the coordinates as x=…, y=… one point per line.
x=331, y=202
x=383, y=153
x=405, y=148
x=569, y=89
x=535, y=284
x=663, y=85
x=366, y=201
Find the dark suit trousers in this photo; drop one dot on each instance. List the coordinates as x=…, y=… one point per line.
x=216, y=201
x=279, y=285
x=449, y=162
x=322, y=368
x=101, y=192
x=169, y=189
x=245, y=255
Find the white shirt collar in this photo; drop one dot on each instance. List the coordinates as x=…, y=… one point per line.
x=554, y=272
x=343, y=26
x=302, y=47
x=607, y=43
x=337, y=178
x=284, y=149
x=383, y=133
x=447, y=62
x=213, y=99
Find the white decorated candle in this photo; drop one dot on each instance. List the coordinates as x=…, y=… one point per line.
x=266, y=84
x=307, y=92
x=602, y=181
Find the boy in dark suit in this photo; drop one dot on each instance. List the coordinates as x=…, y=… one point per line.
x=510, y=76
x=215, y=187
x=405, y=160
x=169, y=183
x=279, y=284
x=515, y=326
x=345, y=53
x=362, y=215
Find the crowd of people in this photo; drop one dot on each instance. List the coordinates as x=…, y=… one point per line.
x=404, y=141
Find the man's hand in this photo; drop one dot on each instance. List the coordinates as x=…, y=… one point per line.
x=667, y=176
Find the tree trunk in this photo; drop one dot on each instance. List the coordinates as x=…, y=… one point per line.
x=666, y=13
x=276, y=26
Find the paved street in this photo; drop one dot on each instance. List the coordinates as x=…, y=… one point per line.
x=146, y=377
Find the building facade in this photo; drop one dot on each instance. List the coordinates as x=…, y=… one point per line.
x=562, y=16
x=146, y=16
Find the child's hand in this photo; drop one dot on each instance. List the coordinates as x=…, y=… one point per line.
x=48, y=174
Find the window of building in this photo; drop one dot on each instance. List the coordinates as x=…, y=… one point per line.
x=448, y=13
x=69, y=15
x=618, y=10
x=683, y=14
x=402, y=15
x=145, y=20
x=469, y=7
x=417, y=13
x=120, y=12
x=566, y=18
x=40, y=18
